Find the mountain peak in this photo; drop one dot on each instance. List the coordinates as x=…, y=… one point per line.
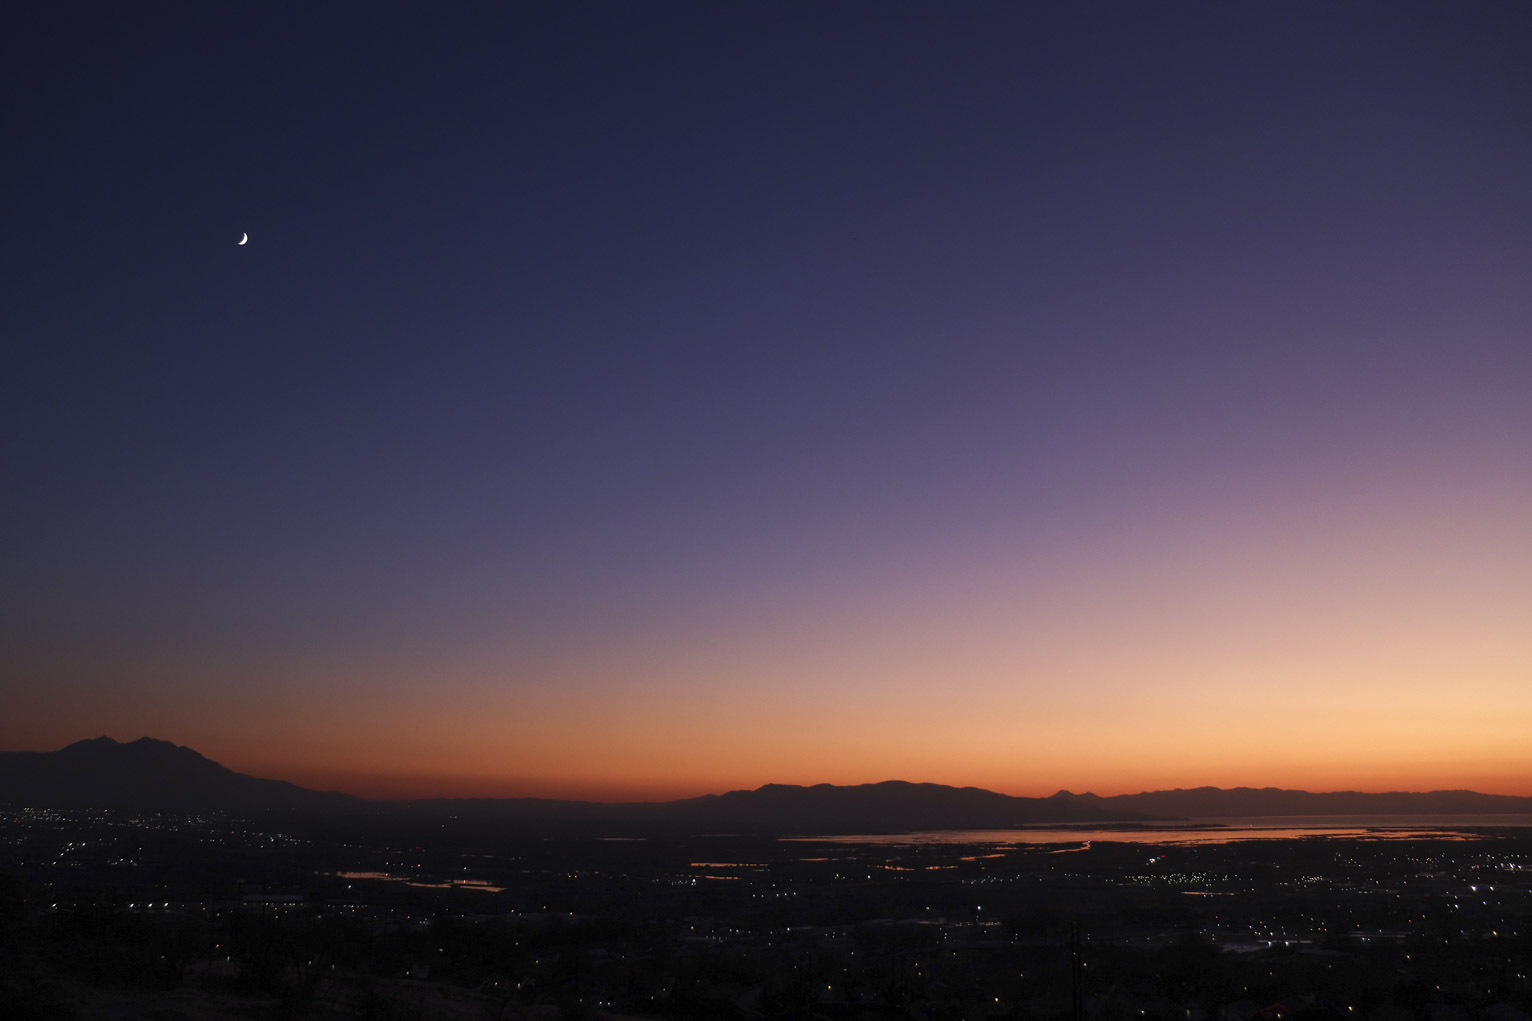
x=141, y=749
x=147, y=773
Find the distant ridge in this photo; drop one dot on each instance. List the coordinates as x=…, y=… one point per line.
x=899, y=806
x=150, y=774
x=890, y=806
x=146, y=774
x=158, y=775
x=895, y=805
x=1217, y=802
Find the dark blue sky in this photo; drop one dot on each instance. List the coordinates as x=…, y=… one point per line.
x=630, y=327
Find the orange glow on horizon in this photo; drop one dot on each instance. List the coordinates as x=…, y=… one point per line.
x=387, y=782
x=1373, y=650
x=389, y=787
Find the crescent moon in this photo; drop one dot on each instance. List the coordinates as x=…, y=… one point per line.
x=243, y=238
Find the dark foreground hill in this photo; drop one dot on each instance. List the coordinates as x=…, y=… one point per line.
x=147, y=775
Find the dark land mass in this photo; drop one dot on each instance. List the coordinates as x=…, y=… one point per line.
x=305, y=905
x=398, y=916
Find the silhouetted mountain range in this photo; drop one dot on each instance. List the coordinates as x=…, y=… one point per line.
x=892, y=805
x=895, y=804
x=1217, y=802
x=147, y=775
x=156, y=775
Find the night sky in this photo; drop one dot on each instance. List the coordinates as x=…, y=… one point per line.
x=630, y=400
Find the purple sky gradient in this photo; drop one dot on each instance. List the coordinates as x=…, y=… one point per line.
x=797, y=364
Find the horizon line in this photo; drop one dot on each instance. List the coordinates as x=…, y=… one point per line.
x=1062, y=791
